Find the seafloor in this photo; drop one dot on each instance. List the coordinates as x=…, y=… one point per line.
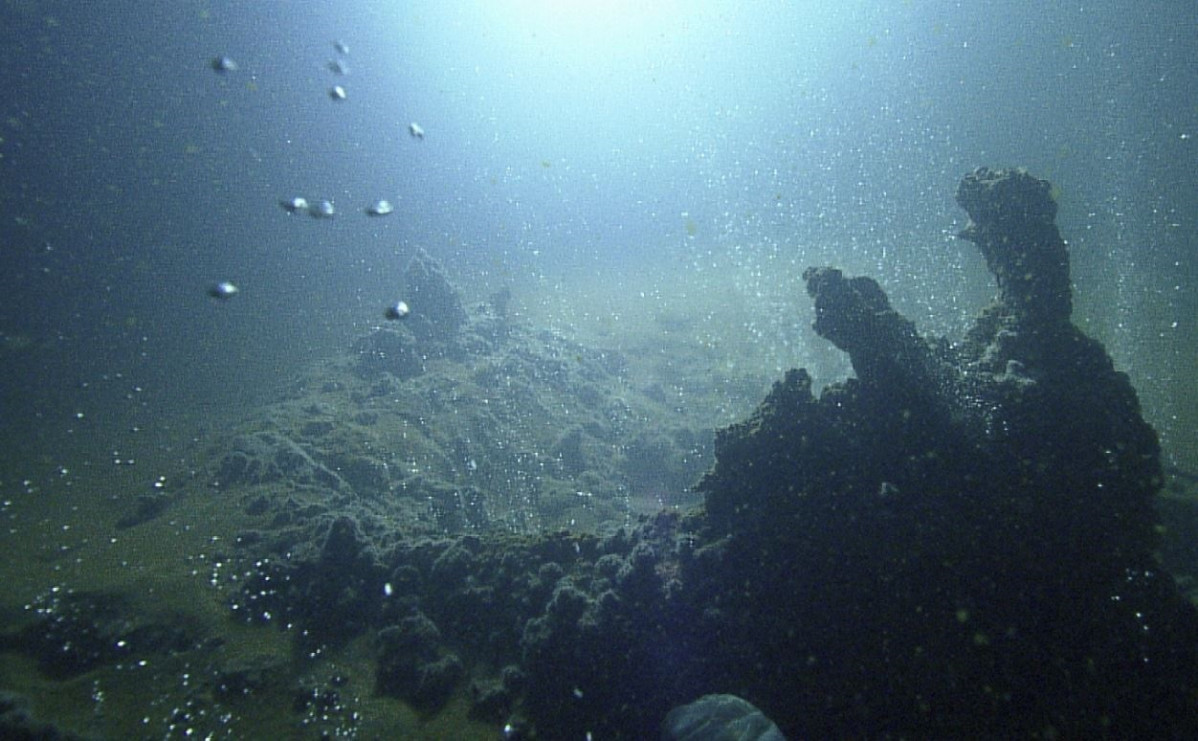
x=467, y=523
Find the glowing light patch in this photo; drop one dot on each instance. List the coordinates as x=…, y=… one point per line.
x=588, y=12
x=596, y=29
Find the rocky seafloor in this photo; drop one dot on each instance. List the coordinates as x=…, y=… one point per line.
x=961, y=540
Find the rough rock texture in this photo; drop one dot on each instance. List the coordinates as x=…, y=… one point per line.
x=433, y=329
x=437, y=313
x=478, y=427
x=958, y=542
x=1011, y=221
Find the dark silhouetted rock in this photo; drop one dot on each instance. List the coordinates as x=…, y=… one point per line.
x=413, y=665
x=1011, y=221
x=952, y=521
x=957, y=542
x=437, y=313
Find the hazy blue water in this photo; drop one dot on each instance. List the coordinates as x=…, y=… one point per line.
x=656, y=165
x=697, y=142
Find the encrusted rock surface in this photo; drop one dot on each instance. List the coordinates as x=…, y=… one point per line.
x=959, y=541
x=437, y=313
x=1012, y=218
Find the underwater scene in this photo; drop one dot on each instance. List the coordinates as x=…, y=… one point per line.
x=580, y=369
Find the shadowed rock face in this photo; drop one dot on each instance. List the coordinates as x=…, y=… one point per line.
x=888, y=355
x=956, y=543
x=437, y=313
x=1011, y=221
x=1033, y=408
x=953, y=520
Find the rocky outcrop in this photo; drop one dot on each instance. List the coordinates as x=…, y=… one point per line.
x=957, y=542
x=1012, y=222
x=432, y=329
x=916, y=546
x=437, y=313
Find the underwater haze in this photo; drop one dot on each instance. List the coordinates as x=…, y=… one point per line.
x=608, y=161
x=634, y=187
